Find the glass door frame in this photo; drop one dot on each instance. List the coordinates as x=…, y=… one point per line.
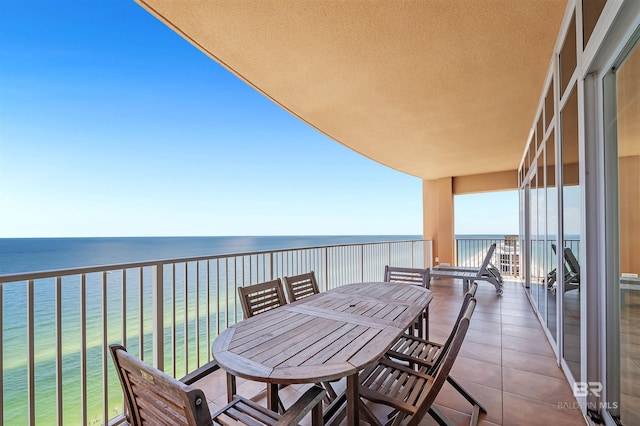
x=609, y=46
x=611, y=227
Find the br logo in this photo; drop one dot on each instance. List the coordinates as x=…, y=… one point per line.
x=585, y=388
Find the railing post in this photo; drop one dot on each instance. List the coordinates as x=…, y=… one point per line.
x=326, y=268
x=271, y=268
x=412, y=254
x=158, y=316
x=1, y=355
x=31, y=370
x=457, y=251
x=361, y=262
x=58, y=321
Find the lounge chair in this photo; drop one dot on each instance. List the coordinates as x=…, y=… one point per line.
x=552, y=276
x=571, y=272
x=481, y=274
x=493, y=273
x=574, y=270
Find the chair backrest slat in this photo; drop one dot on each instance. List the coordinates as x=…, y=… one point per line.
x=301, y=286
x=259, y=298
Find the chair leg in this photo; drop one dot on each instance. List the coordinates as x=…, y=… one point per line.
x=331, y=393
x=368, y=414
x=474, y=416
x=316, y=415
x=466, y=394
x=426, y=324
x=440, y=418
x=334, y=413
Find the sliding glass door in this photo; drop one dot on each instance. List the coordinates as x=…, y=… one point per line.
x=622, y=171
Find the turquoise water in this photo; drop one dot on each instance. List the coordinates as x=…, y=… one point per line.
x=30, y=255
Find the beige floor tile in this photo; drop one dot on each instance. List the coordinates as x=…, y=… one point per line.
x=522, y=411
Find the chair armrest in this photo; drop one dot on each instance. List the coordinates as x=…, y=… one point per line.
x=393, y=355
x=302, y=406
x=200, y=373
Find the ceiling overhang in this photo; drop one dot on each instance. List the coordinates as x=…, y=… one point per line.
x=430, y=88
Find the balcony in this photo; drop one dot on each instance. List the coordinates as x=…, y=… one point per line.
x=69, y=318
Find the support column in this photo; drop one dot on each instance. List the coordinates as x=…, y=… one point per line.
x=437, y=213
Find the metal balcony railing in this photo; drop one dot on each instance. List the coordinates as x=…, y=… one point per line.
x=472, y=251
x=55, y=326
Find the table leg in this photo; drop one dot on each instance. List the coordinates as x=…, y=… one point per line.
x=231, y=387
x=353, y=400
x=272, y=397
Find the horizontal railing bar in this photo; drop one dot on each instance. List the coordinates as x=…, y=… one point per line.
x=117, y=266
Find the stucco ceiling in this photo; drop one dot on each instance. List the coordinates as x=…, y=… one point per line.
x=432, y=88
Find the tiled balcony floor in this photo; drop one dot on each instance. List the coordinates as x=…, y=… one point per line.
x=505, y=362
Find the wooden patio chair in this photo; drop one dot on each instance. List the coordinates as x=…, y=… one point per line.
x=256, y=299
x=259, y=298
x=154, y=398
x=396, y=274
x=414, y=276
x=300, y=286
x=427, y=355
x=410, y=392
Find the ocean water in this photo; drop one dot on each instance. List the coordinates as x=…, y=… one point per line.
x=31, y=255
x=45, y=254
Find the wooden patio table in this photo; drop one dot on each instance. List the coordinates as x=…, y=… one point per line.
x=323, y=337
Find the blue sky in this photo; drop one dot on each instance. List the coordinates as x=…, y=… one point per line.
x=113, y=125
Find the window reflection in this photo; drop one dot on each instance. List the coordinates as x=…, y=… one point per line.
x=571, y=220
x=533, y=231
x=628, y=129
x=542, y=236
x=552, y=233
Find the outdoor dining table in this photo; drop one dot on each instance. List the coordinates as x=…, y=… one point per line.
x=321, y=338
